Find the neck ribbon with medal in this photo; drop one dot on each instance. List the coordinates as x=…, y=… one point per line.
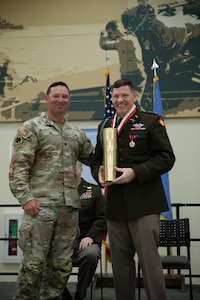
x=123, y=122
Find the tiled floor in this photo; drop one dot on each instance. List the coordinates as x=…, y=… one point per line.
x=7, y=292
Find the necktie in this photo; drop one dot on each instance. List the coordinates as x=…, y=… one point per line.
x=118, y=122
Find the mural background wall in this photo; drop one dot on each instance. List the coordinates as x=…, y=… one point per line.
x=46, y=41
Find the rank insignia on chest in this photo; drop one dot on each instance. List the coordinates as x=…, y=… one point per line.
x=138, y=126
x=86, y=195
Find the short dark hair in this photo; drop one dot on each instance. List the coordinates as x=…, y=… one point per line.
x=56, y=84
x=122, y=82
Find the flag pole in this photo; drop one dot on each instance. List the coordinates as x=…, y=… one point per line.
x=106, y=74
x=107, y=113
x=107, y=61
x=157, y=107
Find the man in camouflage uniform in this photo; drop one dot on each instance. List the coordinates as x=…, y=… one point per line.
x=43, y=179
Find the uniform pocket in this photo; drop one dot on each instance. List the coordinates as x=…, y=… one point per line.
x=24, y=239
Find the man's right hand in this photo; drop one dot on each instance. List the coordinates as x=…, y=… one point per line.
x=31, y=207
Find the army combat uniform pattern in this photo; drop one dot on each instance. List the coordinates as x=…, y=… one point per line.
x=43, y=167
x=143, y=145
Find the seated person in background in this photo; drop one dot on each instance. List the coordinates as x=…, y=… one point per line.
x=92, y=224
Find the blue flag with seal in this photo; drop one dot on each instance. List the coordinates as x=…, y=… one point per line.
x=158, y=108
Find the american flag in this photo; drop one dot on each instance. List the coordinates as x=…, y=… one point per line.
x=109, y=109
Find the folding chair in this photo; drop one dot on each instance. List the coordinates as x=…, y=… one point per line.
x=174, y=234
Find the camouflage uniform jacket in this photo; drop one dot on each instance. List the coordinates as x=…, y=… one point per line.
x=43, y=162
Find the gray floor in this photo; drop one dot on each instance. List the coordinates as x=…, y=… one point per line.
x=7, y=291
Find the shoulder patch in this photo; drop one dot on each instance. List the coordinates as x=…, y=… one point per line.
x=18, y=140
x=161, y=122
x=23, y=130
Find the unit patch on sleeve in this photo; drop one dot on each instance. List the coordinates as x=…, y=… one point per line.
x=161, y=122
x=18, y=140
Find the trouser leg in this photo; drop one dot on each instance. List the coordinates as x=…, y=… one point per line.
x=35, y=248
x=47, y=241
x=59, y=264
x=28, y=282
x=122, y=257
x=145, y=234
x=87, y=259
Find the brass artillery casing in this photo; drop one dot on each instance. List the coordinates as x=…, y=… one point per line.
x=109, y=153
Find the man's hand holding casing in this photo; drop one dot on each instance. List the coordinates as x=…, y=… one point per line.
x=127, y=175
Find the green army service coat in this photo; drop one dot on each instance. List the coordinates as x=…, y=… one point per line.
x=92, y=221
x=144, y=146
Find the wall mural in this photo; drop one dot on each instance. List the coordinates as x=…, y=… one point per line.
x=35, y=51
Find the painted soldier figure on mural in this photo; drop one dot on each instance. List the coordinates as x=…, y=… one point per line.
x=143, y=30
x=174, y=48
x=114, y=37
x=3, y=75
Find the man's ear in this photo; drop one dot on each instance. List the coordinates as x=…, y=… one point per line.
x=46, y=98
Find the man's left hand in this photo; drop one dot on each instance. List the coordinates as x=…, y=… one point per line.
x=85, y=242
x=127, y=175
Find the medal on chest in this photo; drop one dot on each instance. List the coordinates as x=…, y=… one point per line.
x=132, y=140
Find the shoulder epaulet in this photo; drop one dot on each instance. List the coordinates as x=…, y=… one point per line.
x=149, y=112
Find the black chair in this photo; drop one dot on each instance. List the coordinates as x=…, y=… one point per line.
x=76, y=265
x=174, y=235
